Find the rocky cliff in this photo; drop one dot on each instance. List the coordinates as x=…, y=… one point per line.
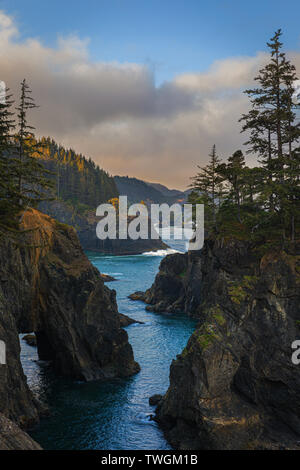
x=47, y=285
x=176, y=286
x=234, y=386
x=85, y=225
x=13, y=438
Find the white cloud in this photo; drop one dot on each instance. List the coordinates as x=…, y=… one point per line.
x=231, y=73
x=115, y=114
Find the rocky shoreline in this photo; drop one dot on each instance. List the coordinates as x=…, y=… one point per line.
x=234, y=386
x=49, y=287
x=85, y=226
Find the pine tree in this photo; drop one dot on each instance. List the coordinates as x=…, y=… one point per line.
x=207, y=183
x=274, y=137
x=8, y=188
x=234, y=173
x=33, y=182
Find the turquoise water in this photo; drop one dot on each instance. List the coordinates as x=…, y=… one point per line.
x=115, y=414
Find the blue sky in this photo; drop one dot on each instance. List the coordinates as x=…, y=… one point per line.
x=172, y=36
x=158, y=83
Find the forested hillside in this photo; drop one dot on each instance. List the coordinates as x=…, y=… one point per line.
x=76, y=179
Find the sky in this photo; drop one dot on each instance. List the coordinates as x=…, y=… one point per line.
x=144, y=87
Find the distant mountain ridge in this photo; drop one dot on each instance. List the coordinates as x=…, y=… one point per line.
x=139, y=190
x=166, y=191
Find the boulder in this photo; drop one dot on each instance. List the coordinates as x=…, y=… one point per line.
x=107, y=278
x=139, y=295
x=30, y=340
x=126, y=321
x=155, y=399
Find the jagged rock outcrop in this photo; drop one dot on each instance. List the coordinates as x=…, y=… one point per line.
x=30, y=340
x=47, y=285
x=126, y=321
x=107, y=278
x=85, y=225
x=234, y=386
x=176, y=286
x=13, y=438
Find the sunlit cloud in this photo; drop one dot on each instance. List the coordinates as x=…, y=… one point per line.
x=115, y=114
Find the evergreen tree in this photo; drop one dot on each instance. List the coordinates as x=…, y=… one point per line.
x=8, y=188
x=33, y=182
x=274, y=136
x=207, y=184
x=77, y=180
x=234, y=173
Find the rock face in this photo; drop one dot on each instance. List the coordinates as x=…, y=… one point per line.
x=85, y=225
x=47, y=285
x=234, y=386
x=30, y=340
x=155, y=399
x=107, y=278
x=13, y=438
x=176, y=286
x=126, y=321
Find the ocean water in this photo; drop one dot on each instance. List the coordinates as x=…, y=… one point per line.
x=115, y=414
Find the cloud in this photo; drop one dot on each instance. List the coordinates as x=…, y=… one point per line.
x=231, y=73
x=115, y=114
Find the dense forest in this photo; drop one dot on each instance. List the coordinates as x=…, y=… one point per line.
x=260, y=203
x=32, y=170
x=76, y=179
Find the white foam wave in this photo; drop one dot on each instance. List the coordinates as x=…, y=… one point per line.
x=169, y=251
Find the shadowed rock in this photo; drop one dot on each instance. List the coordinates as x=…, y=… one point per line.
x=30, y=340
x=47, y=285
x=234, y=386
x=139, y=295
x=13, y=438
x=107, y=278
x=155, y=399
x=126, y=321
x=85, y=225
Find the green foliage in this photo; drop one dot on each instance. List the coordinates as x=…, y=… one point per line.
x=219, y=319
x=23, y=180
x=183, y=274
x=76, y=179
x=238, y=292
x=206, y=335
x=9, y=196
x=32, y=177
x=62, y=227
x=261, y=204
x=206, y=186
x=274, y=137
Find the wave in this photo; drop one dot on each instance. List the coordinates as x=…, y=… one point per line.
x=168, y=251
